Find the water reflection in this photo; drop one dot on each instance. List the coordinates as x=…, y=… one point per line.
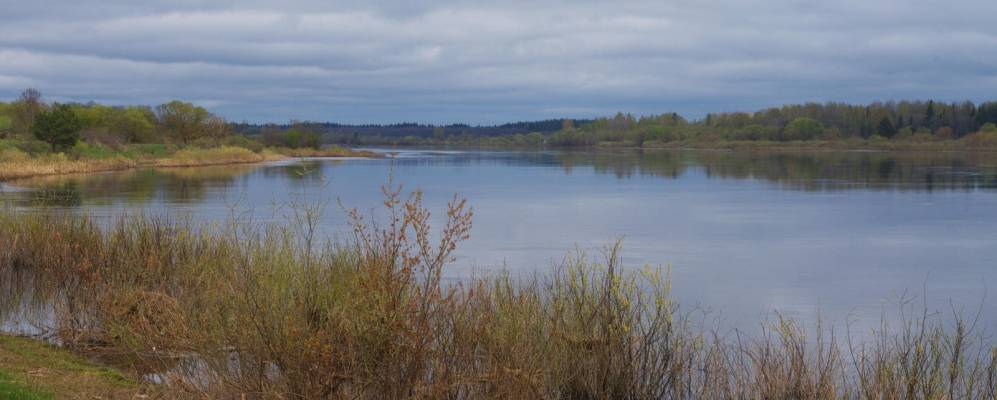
x=133, y=187
x=746, y=232
x=809, y=171
x=806, y=171
x=306, y=171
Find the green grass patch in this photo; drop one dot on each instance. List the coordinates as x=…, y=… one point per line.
x=39, y=353
x=32, y=369
x=11, y=388
x=88, y=151
x=149, y=150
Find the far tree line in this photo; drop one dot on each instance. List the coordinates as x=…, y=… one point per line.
x=179, y=122
x=903, y=120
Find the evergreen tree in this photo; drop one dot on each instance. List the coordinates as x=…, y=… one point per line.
x=929, y=115
x=60, y=128
x=886, y=128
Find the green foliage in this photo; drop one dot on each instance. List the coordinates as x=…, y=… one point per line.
x=60, y=128
x=92, y=115
x=183, y=121
x=244, y=142
x=886, y=128
x=753, y=132
x=92, y=151
x=794, y=122
x=986, y=112
x=6, y=126
x=150, y=150
x=295, y=138
x=11, y=389
x=6, y=121
x=33, y=147
x=136, y=124
x=802, y=128
x=573, y=137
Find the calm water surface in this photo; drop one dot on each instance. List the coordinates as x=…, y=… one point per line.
x=841, y=234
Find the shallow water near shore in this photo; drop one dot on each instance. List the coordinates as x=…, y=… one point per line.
x=844, y=235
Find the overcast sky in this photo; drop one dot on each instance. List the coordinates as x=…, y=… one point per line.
x=487, y=62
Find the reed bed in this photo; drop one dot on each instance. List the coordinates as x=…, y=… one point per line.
x=247, y=311
x=330, y=151
x=15, y=168
x=15, y=164
x=194, y=157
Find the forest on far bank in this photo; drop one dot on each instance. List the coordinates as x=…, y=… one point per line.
x=963, y=123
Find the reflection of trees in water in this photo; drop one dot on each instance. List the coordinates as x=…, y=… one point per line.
x=175, y=185
x=812, y=171
x=305, y=171
x=804, y=171
x=63, y=195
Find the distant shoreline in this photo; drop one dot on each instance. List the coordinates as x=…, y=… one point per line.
x=952, y=146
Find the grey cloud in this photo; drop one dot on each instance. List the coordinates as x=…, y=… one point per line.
x=477, y=62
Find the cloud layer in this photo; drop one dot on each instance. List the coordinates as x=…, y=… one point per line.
x=478, y=62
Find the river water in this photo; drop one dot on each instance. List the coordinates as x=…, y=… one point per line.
x=843, y=235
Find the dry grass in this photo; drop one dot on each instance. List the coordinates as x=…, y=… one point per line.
x=15, y=164
x=332, y=151
x=194, y=157
x=58, y=164
x=249, y=311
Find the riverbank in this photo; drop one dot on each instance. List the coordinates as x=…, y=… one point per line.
x=224, y=310
x=33, y=370
x=16, y=164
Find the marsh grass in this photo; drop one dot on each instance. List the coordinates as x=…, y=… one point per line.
x=194, y=156
x=14, y=165
x=267, y=311
x=329, y=151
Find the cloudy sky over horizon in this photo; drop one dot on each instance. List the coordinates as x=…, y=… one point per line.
x=489, y=62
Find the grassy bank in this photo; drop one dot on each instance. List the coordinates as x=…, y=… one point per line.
x=30, y=369
x=23, y=159
x=270, y=311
